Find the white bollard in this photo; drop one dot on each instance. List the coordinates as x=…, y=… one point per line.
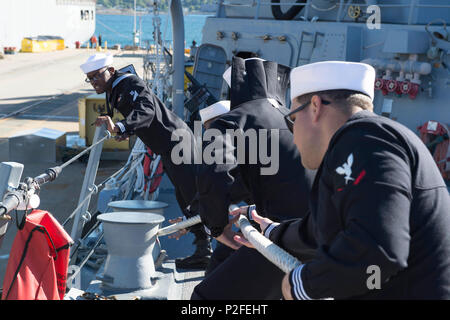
x=138, y=206
x=133, y=248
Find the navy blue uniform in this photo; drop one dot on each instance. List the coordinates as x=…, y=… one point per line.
x=147, y=117
x=378, y=201
x=253, y=84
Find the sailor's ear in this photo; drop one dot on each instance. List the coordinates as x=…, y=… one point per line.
x=316, y=107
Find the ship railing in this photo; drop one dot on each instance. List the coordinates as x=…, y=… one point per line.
x=151, y=45
x=24, y=196
x=342, y=5
x=128, y=179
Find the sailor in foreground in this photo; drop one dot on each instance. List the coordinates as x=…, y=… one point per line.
x=380, y=211
x=147, y=117
x=257, y=94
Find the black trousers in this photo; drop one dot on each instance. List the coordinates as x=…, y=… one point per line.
x=219, y=255
x=183, y=178
x=244, y=275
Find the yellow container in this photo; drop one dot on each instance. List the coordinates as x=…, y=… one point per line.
x=27, y=45
x=89, y=108
x=60, y=45
x=44, y=44
x=34, y=45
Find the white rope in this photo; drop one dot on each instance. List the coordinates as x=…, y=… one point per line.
x=186, y=223
x=138, y=152
x=135, y=161
x=282, y=259
x=267, y=248
x=180, y=225
x=65, y=164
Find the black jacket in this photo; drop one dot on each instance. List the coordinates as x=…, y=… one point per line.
x=378, y=200
x=252, y=83
x=147, y=117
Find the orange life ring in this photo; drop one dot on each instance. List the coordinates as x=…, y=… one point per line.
x=149, y=157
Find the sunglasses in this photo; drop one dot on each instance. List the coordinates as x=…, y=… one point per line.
x=288, y=119
x=95, y=77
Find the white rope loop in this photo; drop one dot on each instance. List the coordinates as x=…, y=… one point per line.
x=278, y=256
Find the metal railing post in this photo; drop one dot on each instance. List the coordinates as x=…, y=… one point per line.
x=88, y=182
x=339, y=13
x=258, y=6
x=176, y=13
x=308, y=5
x=411, y=11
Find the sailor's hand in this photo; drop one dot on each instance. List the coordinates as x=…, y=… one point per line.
x=121, y=137
x=262, y=221
x=286, y=288
x=177, y=235
x=109, y=123
x=228, y=235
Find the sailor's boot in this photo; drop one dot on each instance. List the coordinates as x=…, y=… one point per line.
x=200, y=258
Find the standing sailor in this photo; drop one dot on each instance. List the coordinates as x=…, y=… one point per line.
x=257, y=109
x=147, y=117
x=380, y=210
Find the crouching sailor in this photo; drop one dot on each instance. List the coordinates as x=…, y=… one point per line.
x=147, y=117
x=238, y=191
x=379, y=208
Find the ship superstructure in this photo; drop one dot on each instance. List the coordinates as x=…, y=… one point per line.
x=407, y=42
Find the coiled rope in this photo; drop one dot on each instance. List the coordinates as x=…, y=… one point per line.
x=135, y=159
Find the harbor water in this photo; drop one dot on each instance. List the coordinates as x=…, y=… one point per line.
x=118, y=29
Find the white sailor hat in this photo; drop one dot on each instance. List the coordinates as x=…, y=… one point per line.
x=332, y=75
x=215, y=110
x=96, y=62
x=227, y=74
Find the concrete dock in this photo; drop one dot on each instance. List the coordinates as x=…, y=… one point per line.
x=51, y=84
